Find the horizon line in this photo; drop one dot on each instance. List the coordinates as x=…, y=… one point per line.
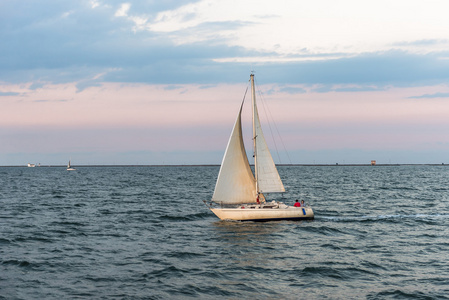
x=218, y=165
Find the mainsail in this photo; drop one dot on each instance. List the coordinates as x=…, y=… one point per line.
x=235, y=183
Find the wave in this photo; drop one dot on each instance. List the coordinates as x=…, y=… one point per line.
x=184, y=255
x=376, y=218
x=168, y=272
x=398, y=294
x=324, y=230
x=4, y=241
x=189, y=217
x=34, y=238
x=20, y=263
x=337, y=273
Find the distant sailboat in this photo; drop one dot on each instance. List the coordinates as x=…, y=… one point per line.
x=239, y=192
x=31, y=165
x=69, y=167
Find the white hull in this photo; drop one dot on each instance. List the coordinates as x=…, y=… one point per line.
x=71, y=169
x=263, y=214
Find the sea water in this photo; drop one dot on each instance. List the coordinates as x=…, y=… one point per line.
x=380, y=232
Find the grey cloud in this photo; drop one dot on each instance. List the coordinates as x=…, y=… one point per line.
x=40, y=44
x=436, y=95
x=292, y=90
x=43, y=100
x=173, y=87
x=377, y=69
x=81, y=86
x=36, y=85
x=9, y=94
x=209, y=86
x=359, y=88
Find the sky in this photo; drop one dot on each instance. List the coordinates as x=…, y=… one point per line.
x=161, y=82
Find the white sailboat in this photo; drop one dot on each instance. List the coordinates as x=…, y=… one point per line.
x=69, y=167
x=239, y=193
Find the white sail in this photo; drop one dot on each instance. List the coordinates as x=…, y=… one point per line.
x=235, y=183
x=268, y=179
x=68, y=166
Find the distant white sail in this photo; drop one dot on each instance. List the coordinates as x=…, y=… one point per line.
x=70, y=168
x=235, y=183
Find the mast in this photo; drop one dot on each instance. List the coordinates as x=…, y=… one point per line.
x=253, y=101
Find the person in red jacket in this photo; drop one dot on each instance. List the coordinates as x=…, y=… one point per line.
x=297, y=204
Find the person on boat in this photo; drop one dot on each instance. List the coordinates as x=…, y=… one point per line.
x=257, y=199
x=297, y=204
x=302, y=203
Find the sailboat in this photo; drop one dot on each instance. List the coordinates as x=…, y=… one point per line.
x=69, y=167
x=239, y=194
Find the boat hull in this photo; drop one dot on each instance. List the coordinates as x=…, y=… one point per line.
x=264, y=214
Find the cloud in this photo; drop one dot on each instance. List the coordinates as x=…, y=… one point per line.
x=368, y=70
x=346, y=88
x=123, y=10
x=209, y=86
x=9, y=94
x=345, y=26
x=217, y=32
x=357, y=89
x=36, y=85
x=81, y=86
x=430, y=96
x=173, y=87
x=94, y=3
x=74, y=43
x=292, y=90
x=42, y=100
x=423, y=43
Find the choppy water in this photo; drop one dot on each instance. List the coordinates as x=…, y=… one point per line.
x=144, y=233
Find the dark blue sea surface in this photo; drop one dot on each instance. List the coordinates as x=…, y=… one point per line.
x=380, y=232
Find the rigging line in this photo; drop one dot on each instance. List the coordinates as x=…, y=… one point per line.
x=265, y=108
x=282, y=142
x=278, y=134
